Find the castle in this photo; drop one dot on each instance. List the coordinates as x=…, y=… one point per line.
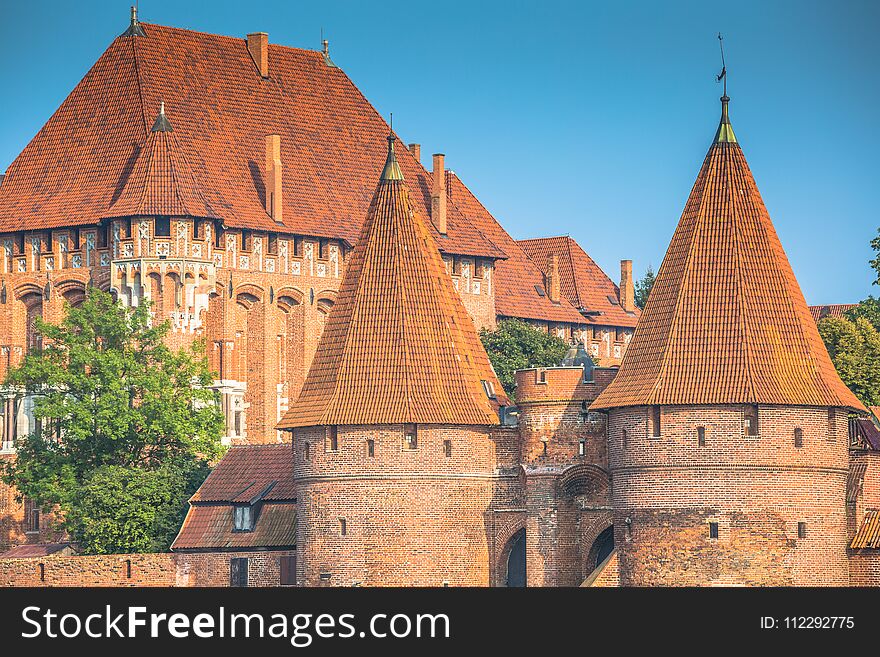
x=723, y=450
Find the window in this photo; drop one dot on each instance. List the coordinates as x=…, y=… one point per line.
x=343, y=527
x=371, y=447
x=218, y=237
x=238, y=571
x=447, y=448
x=750, y=420
x=701, y=436
x=31, y=516
x=489, y=389
x=456, y=266
x=128, y=568
x=322, y=249
x=410, y=436
x=332, y=444
x=802, y=530
x=162, y=227
x=713, y=530
x=655, y=421
x=237, y=427
x=798, y=437
x=272, y=246
x=307, y=448
x=245, y=239
x=625, y=438
x=479, y=268
x=74, y=239
x=243, y=518
x=619, y=335
x=198, y=229
x=297, y=246
x=103, y=236
x=542, y=376
x=544, y=448
x=288, y=571
x=831, y=424
x=42, y=572
x=582, y=447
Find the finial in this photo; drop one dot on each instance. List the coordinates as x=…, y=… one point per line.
x=725, y=130
x=162, y=124
x=134, y=28
x=392, y=168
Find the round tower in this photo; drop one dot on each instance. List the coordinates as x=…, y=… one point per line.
x=404, y=472
x=727, y=423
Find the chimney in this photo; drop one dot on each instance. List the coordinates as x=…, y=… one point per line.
x=258, y=47
x=416, y=149
x=438, y=196
x=273, y=177
x=552, y=278
x=627, y=292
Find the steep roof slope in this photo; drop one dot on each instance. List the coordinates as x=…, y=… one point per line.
x=582, y=282
x=726, y=321
x=517, y=279
x=80, y=162
x=399, y=346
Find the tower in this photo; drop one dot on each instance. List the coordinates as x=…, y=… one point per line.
x=399, y=453
x=727, y=421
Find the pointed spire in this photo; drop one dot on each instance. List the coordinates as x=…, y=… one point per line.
x=134, y=28
x=398, y=346
x=392, y=168
x=725, y=130
x=162, y=124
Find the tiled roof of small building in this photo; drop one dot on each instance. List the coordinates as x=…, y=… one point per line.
x=398, y=346
x=246, y=472
x=161, y=182
x=868, y=535
x=34, y=550
x=583, y=283
x=212, y=528
x=831, y=310
x=726, y=321
x=516, y=279
x=77, y=166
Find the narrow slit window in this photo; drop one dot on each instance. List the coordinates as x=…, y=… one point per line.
x=371, y=447
x=410, y=436
x=750, y=420
x=802, y=530
x=831, y=424
x=332, y=438
x=544, y=443
x=307, y=448
x=713, y=530
x=447, y=448
x=625, y=438
x=343, y=527
x=582, y=447
x=798, y=437
x=655, y=421
x=701, y=436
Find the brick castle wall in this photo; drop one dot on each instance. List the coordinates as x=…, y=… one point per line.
x=120, y=570
x=756, y=488
x=412, y=517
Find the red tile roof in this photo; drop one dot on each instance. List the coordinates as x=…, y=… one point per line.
x=583, y=283
x=831, y=310
x=399, y=346
x=726, y=321
x=35, y=550
x=79, y=164
x=517, y=277
x=211, y=528
x=245, y=472
x=868, y=535
x=161, y=182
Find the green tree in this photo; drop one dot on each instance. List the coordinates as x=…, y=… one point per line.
x=643, y=287
x=115, y=407
x=854, y=347
x=515, y=345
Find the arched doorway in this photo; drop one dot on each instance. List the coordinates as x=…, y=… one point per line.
x=516, y=560
x=602, y=547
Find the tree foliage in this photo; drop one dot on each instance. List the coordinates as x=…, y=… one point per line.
x=515, y=345
x=643, y=287
x=114, y=407
x=854, y=347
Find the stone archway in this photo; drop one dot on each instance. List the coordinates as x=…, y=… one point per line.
x=515, y=560
x=602, y=547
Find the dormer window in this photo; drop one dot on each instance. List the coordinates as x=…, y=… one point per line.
x=243, y=518
x=489, y=388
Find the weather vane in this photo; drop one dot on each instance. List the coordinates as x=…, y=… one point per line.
x=723, y=75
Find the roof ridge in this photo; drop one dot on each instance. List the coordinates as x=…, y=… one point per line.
x=226, y=36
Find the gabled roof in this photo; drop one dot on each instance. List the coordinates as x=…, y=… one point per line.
x=583, y=283
x=34, y=550
x=398, y=346
x=77, y=166
x=726, y=321
x=836, y=310
x=212, y=528
x=517, y=279
x=161, y=182
x=246, y=473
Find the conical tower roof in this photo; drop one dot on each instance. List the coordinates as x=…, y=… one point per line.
x=161, y=182
x=399, y=346
x=726, y=321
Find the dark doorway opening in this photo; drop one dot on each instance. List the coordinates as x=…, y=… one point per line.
x=602, y=547
x=516, y=560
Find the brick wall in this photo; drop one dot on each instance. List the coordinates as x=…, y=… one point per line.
x=412, y=517
x=667, y=491
x=119, y=570
x=864, y=568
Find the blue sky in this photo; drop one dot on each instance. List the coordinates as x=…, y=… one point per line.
x=586, y=118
